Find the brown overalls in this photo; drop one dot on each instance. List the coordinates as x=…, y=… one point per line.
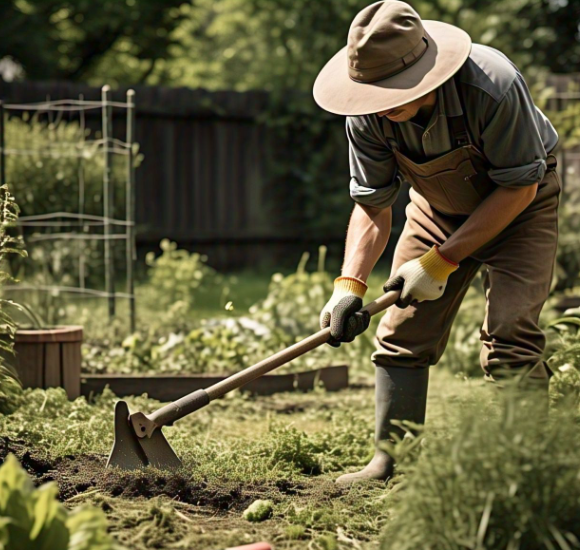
x=519, y=263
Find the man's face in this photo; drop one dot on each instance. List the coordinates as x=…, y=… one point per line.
x=405, y=112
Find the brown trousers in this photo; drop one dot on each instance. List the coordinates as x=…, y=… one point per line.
x=519, y=266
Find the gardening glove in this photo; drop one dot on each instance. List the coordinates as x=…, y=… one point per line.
x=341, y=313
x=424, y=278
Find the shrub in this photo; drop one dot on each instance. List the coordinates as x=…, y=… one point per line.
x=177, y=276
x=503, y=479
x=33, y=518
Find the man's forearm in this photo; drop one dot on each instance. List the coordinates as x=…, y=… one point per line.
x=488, y=220
x=368, y=233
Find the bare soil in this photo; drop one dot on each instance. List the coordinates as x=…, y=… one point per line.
x=78, y=474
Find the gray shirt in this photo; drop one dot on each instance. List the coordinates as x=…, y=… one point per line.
x=504, y=124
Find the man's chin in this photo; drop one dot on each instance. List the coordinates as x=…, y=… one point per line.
x=401, y=117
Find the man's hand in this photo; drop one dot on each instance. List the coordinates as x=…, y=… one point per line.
x=424, y=278
x=341, y=313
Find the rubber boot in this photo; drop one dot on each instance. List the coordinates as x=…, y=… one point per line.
x=400, y=394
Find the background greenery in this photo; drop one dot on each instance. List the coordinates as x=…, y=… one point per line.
x=248, y=44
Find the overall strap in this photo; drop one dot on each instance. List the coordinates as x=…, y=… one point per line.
x=391, y=134
x=458, y=124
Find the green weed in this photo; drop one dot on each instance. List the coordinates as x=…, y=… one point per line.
x=502, y=478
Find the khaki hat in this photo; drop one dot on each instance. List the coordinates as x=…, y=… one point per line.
x=391, y=58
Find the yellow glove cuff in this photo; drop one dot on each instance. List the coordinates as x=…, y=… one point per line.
x=350, y=285
x=436, y=265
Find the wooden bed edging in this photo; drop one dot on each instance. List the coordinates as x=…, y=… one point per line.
x=168, y=387
x=49, y=358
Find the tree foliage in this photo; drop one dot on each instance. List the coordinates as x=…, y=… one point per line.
x=248, y=44
x=68, y=39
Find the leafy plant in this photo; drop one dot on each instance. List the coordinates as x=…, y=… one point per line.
x=564, y=358
x=46, y=179
x=33, y=518
x=46, y=161
x=10, y=387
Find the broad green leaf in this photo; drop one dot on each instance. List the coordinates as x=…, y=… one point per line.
x=45, y=508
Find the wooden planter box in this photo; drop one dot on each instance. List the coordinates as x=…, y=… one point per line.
x=50, y=358
x=169, y=387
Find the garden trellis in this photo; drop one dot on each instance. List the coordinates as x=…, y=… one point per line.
x=81, y=226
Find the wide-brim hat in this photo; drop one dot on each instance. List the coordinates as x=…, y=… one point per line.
x=392, y=57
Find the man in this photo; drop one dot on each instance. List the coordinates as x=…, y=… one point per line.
x=457, y=122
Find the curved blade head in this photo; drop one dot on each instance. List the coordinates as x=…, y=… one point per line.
x=131, y=452
x=126, y=452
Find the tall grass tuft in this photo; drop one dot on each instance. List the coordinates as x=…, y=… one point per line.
x=502, y=479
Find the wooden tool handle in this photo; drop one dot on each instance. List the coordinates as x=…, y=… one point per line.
x=198, y=399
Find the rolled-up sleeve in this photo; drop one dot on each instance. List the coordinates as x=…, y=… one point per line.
x=374, y=180
x=512, y=140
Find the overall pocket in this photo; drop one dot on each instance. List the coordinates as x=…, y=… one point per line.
x=451, y=191
x=463, y=187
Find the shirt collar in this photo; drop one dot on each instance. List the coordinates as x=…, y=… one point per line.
x=448, y=103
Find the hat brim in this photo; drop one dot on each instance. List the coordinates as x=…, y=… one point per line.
x=334, y=90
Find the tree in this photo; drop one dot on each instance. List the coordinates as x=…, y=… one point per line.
x=60, y=39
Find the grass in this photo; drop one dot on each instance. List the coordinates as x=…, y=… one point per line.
x=284, y=448
x=505, y=478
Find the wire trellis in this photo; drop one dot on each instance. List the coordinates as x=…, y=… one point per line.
x=77, y=225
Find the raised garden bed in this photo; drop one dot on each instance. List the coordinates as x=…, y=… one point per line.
x=168, y=387
x=49, y=358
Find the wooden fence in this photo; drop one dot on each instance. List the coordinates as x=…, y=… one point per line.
x=205, y=174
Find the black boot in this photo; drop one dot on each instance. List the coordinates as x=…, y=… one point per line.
x=400, y=394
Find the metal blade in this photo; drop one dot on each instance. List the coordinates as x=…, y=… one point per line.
x=131, y=452
x=158, y=451
x=126, y=452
